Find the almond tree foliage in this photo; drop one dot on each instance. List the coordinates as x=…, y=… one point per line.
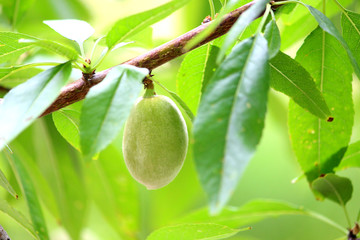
x=61, y=156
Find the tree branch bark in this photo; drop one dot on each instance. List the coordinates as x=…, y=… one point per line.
x=77, y=90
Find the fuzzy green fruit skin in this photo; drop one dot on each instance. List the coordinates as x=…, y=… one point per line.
x=155, y=141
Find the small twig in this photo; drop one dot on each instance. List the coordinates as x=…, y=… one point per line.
x=77, y=90
x=3, y=234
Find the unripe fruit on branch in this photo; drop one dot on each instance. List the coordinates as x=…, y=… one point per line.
x=155, y=140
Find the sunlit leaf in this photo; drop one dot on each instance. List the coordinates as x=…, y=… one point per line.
x=196, y=231
x=16, y=9
x=109, y=179
x=18, y=217
x=60, y=49
x=10, y=47
x=73, y=29
x=65, y=174
x=126, y=27
x=6, y=185
x=30, y=195
x=244, y=20
x=350, y=23
x=23, y=104
x=14, y=78
x=67, y=121
x=334, y=188
x=196, y=69
x=230, y=119
x=289, y=77
x=272, y=35
x=320, y=145
x=328, y=26
x=351, y=157
x=254, y=211
x=107, y=106
x=7, y=72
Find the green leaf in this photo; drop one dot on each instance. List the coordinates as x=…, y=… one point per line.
x=23, y=104
x=320, y=145
x=183, y=105
x=73, y=29
x=290, y=78
x=109, y=179
x=200, y=231
x=18, y=217
x=272, y=35
x=351, y=157
x=230, y=119
x=16, y=9
x=350, y=23
x=30, y=194
x=255, y=211
x=64, y=172
x=62, y=50
x=6, y=72
x=6, y=185
x=18, y=76
x=126, y=27
x=196, y=69
x=335, y=188
x=326, y=24
x=67, y=121
x=244, y=20
x=10, y=47
x=14, y=44
x=107, y=106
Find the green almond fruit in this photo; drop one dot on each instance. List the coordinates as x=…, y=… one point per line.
x=155, y=140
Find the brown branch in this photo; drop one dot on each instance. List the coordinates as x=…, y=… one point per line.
x=77, y=90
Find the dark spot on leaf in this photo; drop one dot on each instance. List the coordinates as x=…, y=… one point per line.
x=322, y=175
x=330, y=119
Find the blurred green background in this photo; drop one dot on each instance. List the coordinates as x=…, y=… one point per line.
x=101, y=199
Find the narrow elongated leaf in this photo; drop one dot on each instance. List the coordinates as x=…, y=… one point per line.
x=72, y=29
x=320, y=145
x=350, y=23
x=107, y=106
x=109, y=179
x=334, y=188
x=10, y=47
x=16, y=9
x=15, y=44
x=176, y=97
x=351, y=157
x=18, y=217
x=64, y=172
x=67, y=122
x=12, y=79
x=326, y=24
x=30, y=194
x=230, y=119
x=62, y=50
x=6, y=185
x=290, y=78
x=254, y=211
x=244, y=20
x=131, y=25
x=196, y=231
x=272, y=35
x=6, y=72
x=23, y=104
x=196, y=69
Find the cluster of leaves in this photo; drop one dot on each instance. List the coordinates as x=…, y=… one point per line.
x=227, y=93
